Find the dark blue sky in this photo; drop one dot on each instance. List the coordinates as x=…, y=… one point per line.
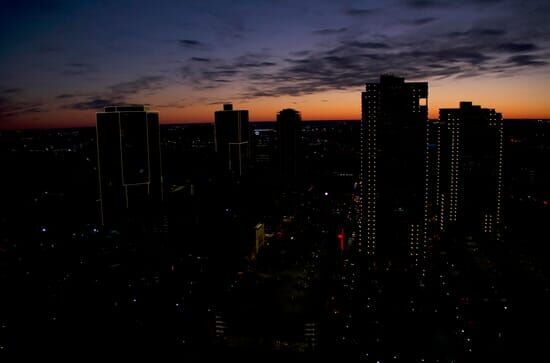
x=62, y=60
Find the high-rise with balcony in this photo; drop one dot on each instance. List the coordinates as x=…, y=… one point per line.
x=394, y=170
x=470, y=170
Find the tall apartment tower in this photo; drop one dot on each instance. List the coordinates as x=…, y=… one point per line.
x=288, y=129
x=394, y=167
x=128, y=160
x=470, y=170
x=232, y=139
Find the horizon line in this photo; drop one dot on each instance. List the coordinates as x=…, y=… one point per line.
x=203, y=123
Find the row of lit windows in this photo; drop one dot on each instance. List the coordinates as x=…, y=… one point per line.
x=368, y=171
x=414, y=242
x=453, y=125
x=455, y=169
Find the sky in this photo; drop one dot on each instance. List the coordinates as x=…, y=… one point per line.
x=62, y=61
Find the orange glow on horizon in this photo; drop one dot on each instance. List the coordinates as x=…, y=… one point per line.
x=516, y=98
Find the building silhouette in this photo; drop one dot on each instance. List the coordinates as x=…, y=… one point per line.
x=394, y=166
x=128, y=160
x=264, y=147
x=232, y=139
x=288, y=130
x=470, y=170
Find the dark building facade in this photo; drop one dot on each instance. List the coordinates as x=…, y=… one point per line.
x=394, y=168
x=288, y=129
x=232, y=139
x=470, y=170
x=264, y=147
x=129, y=161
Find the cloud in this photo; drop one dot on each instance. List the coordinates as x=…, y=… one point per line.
x=347, y=64
x=187, y=42
x=10, y=107
x=118, y=93
x=215, y=72
x=469, y=55
x=430, y=4
x=210, y=75
x=46, y=49
x=215, y=103
x=172, y=105
x=92, y=104
x=367, y=45
x=300, y=53
x=192, y=44
x=359, y=12
x=11, y=90
x=145, y=83
x=199, y=59
x=251, y=60
x=421, y=21
x=13, y=103
x=526, y=60
x=422, y=4
x=254, y=64
x=330, y=31
x=64, y=96
x=477, y=32
x=78, y=69
x=488, y=31
x=517, y=47
x=456, y=49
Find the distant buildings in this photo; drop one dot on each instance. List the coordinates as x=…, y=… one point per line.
x=232, y=139
x=470, y=143
x=393, y=211
x=264, y=147
x=288, y=129
x=129, y=161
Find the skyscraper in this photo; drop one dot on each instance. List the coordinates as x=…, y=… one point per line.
x=231, y=137
x=129, y=161
x=392, y=215
x=470, y=149
x=288, y=129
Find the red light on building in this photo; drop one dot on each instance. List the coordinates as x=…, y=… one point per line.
x=341, y=238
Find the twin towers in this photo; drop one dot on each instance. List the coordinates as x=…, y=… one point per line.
x=424, y=180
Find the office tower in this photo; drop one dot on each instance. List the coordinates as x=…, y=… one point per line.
x=128, y=160
x=470, y=145
x=392, y=214
x=288, y=129
x=232, y=135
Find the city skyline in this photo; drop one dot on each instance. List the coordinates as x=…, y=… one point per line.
x=352, y=180
x=64, y=61
x=396, y=238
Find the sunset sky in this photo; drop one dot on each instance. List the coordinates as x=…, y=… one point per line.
x=61, y=61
